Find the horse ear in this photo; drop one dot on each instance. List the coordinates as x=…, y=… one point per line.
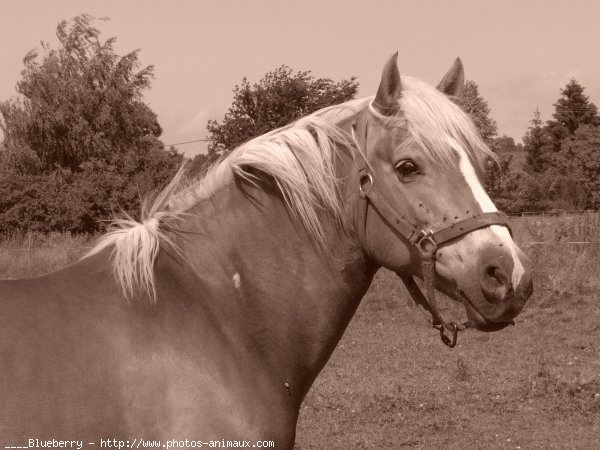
x=390, y=87
x=453, y=81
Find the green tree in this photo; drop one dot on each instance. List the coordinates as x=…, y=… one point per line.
x=578, y=164
x=572, y=109
x=478, y=110
x=497, y=175
x=80, y=117
x=527, y=192
x=200, y=163
x=281, y=97
x=505, y=145
x=502, y=175
x=82, y=101
x=535, y=145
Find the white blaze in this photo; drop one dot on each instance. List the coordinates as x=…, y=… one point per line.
x=486, y=205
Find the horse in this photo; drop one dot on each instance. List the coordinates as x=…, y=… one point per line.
x=210, y=316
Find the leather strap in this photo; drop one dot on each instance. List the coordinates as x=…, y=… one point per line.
x=464, y=226
x=399, y=224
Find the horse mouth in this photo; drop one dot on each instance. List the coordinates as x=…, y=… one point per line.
x=478, y=320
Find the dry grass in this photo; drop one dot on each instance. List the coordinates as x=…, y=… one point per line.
x=561, y=227
x=33, y=254
x=392, y=384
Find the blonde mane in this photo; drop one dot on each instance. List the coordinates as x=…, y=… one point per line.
x=436, y=124
x=300, y=159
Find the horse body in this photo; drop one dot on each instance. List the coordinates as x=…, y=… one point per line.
x=230, y=333
x=221, y=333
x=58, y=353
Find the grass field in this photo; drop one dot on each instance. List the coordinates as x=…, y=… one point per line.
x=392, y=384
x=36, y=254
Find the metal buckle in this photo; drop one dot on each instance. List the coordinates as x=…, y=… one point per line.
x=450, y=341
x=425, y=236
x=361, y=182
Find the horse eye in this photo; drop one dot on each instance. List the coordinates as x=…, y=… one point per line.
x=407, y=168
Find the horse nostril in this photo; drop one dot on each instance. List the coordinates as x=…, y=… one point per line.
x=495, y=274
x=495, y=284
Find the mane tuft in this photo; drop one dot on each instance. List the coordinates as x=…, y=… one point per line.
x=136, y=244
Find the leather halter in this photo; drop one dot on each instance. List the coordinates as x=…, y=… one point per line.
x=424, y=239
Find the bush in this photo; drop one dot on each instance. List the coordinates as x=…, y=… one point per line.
x=81, y=202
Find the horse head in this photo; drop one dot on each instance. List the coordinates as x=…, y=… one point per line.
x=422, y=208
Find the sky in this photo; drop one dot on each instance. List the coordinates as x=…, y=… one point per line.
x=520, y=53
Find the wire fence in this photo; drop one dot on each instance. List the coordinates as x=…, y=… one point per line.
x=557, y=227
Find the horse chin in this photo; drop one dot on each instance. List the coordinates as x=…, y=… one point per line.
x=478, y=321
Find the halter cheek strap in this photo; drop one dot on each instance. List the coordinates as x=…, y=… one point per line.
x=425, y=240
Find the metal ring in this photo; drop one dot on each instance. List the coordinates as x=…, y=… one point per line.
x=361, y=182
x=426, y=236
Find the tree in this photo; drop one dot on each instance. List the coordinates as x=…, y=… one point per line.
x=80, y=118
x=502, y=175
x=497, y=174
x=478, y=110
x=578, y=163
x=276, y=100
x=504, y=145
x=526, y=192
x=81, y=102
x=535, y=145
x=572, y=109
x=201, y=162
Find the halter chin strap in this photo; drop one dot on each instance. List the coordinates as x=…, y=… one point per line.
x=424, y=239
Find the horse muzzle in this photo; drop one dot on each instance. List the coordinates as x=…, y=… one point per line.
x=499, y=294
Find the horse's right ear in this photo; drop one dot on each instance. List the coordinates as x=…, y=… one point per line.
x=390, y=87
x=454, y=80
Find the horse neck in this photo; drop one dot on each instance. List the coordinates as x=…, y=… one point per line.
x=279, y=292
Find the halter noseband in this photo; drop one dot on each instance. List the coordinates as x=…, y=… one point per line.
x=425, y=240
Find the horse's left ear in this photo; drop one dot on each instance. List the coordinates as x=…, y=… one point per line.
x=453, y=81
x=390, y=87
